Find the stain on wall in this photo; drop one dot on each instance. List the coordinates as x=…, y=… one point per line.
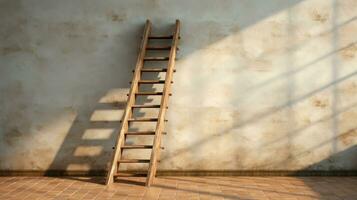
x=258, y=86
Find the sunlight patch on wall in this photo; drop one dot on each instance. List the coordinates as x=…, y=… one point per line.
x=80, y=167
x=106, y=115
x=99, y=133
x=88, y=151
x=115, y=95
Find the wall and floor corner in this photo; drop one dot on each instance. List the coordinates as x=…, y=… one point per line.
x=260, y=85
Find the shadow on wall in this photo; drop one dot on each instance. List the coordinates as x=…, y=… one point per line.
x=346, y=157
x=86, y=147
x=87, y=144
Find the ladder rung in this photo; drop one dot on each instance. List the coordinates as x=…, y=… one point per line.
x=137, y=147
x=158, y=48
x=159, y=58
x=155, y=70
x=134, y=161
x=148, y=93
x=140, y=133
x=143, y=120
x=130, y=174
x=143, y=133
x=151, y=81
x=146, y=106
x=161, y=37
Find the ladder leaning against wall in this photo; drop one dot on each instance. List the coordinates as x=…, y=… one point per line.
x=128, y=118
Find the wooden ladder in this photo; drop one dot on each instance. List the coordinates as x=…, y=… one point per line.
x=117, y=157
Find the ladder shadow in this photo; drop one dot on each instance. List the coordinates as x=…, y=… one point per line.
x=87, y=148
x=88, y=145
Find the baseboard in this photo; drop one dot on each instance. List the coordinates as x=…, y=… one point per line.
x=52, y=173
x=255, y=173
x=183, y=173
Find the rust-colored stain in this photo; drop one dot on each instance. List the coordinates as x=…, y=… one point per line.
x=348, y=88
x=261, y=66
x=349, y=52
x=72, y=29
x=321, y=103
x=348, y=137
x=116, y=17
x=10, y=50
x=39, y=127
x=12, y=135
x=319, y=17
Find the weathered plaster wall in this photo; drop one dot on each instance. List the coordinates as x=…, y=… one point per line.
x=260, y=85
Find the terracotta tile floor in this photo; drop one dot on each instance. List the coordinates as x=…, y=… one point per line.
x=180, y=188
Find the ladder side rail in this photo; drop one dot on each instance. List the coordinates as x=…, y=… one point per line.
x=164, y=102
x=131, y=99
